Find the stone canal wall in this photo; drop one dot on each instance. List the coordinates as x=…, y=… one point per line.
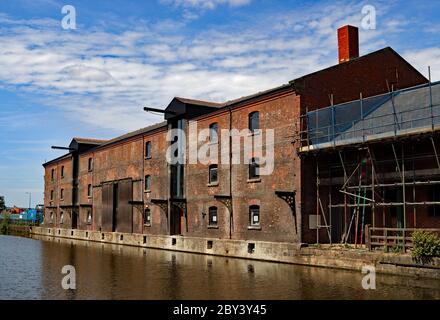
x=334, y=257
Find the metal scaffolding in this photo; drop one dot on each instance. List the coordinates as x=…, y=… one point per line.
x=363, y=191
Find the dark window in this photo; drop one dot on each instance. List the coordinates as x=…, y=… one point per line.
x=147, y=183
x=254, y=169
x=254, y=215
x=148, y=150
x=52, y=174
x=213, y=174
x=51, y=194
x=147, y=217
x=254, y=121
x=62, y=172
x=434, y=210
x=62, y=218
x=90, y=164
x=89, y=191
x=213, y=133
x=62, y=194
x=213, y=219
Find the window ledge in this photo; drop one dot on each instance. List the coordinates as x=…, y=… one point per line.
x=257, y=180
x=254, y=228
x=148, y=158
x=254, y=133
x=147, y=191
x=213, y=143
x=147, y=225
x=210, y=185
x=212, y=227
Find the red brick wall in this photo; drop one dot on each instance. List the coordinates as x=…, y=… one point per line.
x=279, y=112
x=56, y=185
x=157, y=168
x=367, y=75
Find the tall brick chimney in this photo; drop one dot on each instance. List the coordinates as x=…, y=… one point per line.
x=348, y=43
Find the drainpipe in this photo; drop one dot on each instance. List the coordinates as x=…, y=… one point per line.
x=231, y=215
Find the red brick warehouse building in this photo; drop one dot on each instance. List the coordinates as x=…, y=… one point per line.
x=126, y=184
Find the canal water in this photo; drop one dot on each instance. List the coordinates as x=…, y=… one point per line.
x=30, y=268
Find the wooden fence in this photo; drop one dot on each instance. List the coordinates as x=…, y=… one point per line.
x=391, y=239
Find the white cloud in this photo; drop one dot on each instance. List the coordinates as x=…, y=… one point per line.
x=423, y=58
x=104, y=79
x=205, y=4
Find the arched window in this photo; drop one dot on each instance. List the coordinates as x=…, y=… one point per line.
x=89, y=216
x=62, y=171
x=147, y=183
x=90, y=164
x=213, y=133
x=254, y=169
x=254, y=121
x=89, y=191
x=213, y=218
x=62, y=217
x=148, y=150
x=213, y=174
x=62, y=194
x=254, y=216
x=147, y=217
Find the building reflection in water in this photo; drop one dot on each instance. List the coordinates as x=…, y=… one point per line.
x=107, y=271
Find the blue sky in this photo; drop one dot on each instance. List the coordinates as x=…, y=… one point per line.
x=56, y=84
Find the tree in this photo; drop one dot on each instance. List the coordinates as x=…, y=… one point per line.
x=2, y=203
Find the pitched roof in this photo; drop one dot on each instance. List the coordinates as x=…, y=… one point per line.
x=359, y=59
x=134, y=134
x=89, y=141
x=199, y=102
